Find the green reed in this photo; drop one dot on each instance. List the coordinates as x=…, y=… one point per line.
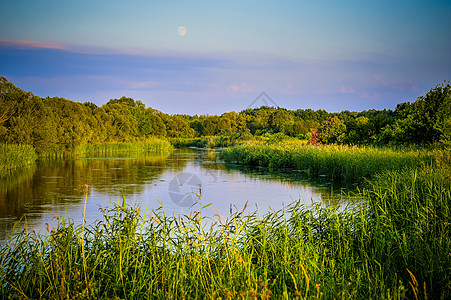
x=149, y=145
x=395, y=245
x=339, y=163
x=13, y=156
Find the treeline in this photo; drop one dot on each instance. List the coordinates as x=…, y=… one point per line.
x=57, y=124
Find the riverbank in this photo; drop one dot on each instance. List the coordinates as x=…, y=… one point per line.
x=13, y=157
x=149, y=145
x=394, y=246
x=339, y=163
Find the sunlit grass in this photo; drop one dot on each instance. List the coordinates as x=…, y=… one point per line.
x=339, y=163
x=150, y=145
x=13, y=156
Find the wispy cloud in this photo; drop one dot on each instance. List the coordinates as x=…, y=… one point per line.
x=27, y=44
x=241, y=87
x=396, y=85
x=345, y=90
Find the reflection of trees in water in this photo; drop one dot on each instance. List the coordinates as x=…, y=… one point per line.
x=15, y=185
x=122, y=176
x=9, y=180
x=56, y=182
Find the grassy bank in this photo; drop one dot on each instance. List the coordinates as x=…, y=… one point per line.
x=394, y=246
x=16, y=156
x=111, y=148
x=151, y=145
x=339, y=163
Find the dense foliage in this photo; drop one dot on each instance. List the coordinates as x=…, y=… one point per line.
x=57, y=124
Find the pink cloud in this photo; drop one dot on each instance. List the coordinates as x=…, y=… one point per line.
x=23, y=44
x=345, y=90
x=394, y=85
x=243, y=87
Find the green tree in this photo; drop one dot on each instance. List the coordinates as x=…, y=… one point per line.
x=158, y=126
x=281, y=120
x=198, y=127
x=124, y=123
x=178, y=126
x=332, y=131
x=422, y=122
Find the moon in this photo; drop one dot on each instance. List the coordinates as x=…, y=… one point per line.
x=181, y=30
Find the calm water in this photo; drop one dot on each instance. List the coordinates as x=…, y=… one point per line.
x=53, y=188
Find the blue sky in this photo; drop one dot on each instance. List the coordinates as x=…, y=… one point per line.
x=328, y=54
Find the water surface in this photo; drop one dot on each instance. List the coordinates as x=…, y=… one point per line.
x=181, y=181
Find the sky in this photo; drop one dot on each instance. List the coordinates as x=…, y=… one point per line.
x=327, y=54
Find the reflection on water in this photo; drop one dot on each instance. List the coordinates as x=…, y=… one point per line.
x=53, y=187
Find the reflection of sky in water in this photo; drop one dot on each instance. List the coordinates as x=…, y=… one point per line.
x=150, y=181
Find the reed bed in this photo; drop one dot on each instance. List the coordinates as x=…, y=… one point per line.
x=339, y=163
x=395, y=245
x=152, y=144
x=13, y=156
x=149, y=145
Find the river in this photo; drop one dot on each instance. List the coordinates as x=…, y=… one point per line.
x=183, y=180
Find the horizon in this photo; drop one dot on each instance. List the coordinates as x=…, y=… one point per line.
x=210, y=58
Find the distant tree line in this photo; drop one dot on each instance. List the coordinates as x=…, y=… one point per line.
x=57, y=124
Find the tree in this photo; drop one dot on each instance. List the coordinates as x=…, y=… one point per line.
x=198, y=127
x=127, y=101
x=178, y=127
x=280, y=120
x=315, y=137
x=332, y=131
x=357, y=131
x=124, y=123
x=424, y=121
x=159, y=128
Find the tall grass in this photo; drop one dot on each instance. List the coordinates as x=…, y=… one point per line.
x=396, y=245
x=150, y=145
x=13, y=156
x=410, y=223
x=339, y=163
